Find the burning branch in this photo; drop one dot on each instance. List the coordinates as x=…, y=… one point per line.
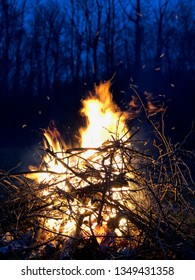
x=108, y=196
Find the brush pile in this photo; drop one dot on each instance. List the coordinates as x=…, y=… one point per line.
x=131, y=198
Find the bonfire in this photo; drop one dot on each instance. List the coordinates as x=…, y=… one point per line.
x=113, y=195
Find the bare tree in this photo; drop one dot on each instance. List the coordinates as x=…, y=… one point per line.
x=161, y=16
x=97, y=37
x=52, y=27
x=20, y=33
x=91, y=33
x=8, y=20
x=133, y=13
x=109, y=35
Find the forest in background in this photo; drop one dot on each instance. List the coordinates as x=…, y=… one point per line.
x=52, y=52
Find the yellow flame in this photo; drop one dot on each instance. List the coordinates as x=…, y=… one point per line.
x=104, y=118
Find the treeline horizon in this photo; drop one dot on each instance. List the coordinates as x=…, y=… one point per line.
x=47, y=44
x=58, y=49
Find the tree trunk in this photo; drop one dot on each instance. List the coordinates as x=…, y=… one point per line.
x=137, y=39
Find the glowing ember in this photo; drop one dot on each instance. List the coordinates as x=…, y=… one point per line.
x=70, y=174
